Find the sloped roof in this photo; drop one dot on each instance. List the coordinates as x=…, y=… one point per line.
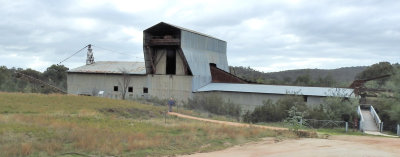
x=277, y=89
x=112, y=67
x=162, y=25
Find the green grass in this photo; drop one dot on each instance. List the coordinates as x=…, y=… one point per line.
x=66, y=125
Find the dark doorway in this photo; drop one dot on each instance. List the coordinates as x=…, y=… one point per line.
x=305, y=97
x=171, y=62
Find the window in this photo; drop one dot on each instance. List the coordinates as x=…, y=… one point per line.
x=130, y=89
x=145, y=90
x=116, y=88
x=171, y=61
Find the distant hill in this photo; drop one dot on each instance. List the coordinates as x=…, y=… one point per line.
x=345, y=74
x=340, y=75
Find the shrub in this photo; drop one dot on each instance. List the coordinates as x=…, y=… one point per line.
x=214, y=104
x=333, y=108
x=275, y=112
x=294, y=118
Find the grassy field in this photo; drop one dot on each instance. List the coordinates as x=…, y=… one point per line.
x=64, y=125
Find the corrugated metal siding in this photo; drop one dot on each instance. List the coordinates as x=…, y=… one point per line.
x=199, y=52
x=275, y=89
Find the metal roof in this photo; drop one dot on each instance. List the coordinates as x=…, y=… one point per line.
x=277, y=89
x=179, y=27
x=111, y=67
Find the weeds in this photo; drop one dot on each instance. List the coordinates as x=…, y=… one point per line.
x=50, y=125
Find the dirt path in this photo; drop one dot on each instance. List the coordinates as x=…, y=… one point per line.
x=225, y=122
x=352, y=146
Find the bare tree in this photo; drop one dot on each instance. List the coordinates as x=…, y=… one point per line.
x=124, y=83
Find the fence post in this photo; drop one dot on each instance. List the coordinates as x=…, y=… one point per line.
x=347, y=126
x=381, y=127
x=301, y=121
x=398, y=129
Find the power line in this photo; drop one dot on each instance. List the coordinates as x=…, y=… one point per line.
x=116, y=51
x=73, y=54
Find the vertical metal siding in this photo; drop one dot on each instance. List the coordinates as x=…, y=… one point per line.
x=199, y=52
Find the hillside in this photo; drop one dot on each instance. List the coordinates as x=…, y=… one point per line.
x=64, y=125
x=340, y=75
x=345, y=74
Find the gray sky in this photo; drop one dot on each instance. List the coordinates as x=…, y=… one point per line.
x=265, y=35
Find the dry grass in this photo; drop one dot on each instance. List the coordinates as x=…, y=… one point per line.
x=50, y=125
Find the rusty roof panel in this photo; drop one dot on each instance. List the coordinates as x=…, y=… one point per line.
x=112, y=67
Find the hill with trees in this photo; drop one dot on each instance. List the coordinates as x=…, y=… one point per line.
x=305, y=77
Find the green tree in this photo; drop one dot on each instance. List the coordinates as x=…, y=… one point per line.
x=294, y=118
x=375, y=70
x=56, y=75
x=303, y=80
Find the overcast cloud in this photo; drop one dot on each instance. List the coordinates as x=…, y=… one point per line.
x=266, y=35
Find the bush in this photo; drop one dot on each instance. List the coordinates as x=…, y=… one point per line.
x=275, y=112
x=333, y=108
x=294, y=118
x=214, y=104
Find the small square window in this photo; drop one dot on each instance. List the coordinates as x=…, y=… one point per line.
x=116, y=88
x=130, y=89
x=145, y=90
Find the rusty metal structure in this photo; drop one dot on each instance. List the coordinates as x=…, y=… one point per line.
x=221, y=76
x=361, y=90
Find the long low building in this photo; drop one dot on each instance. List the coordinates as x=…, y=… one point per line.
x=182, y=64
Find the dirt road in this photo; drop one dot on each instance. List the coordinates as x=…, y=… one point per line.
x=351, y=146
x=225, y=122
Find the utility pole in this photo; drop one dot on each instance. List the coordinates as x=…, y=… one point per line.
x=90, y=58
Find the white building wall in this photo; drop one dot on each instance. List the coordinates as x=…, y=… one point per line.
x=161, y=59
x=90, y=84
x=160, y=86
x=166, y=86
x=315, y=100
x=249, y=101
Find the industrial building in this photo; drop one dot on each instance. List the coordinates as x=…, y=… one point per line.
x=182, y=64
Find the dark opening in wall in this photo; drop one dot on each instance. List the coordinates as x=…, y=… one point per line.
x=116, y=88
x=305, y=97
x=145, y=90
x=130, y=89
x=171, y=62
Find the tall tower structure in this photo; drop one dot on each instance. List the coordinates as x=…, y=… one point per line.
x=90, y=58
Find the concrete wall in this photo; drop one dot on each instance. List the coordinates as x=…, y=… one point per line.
x=161, y=57
x=315, y=100
x=249, y=101
x=160, y=86
x=180, y=69
x=89, y=84
x=161, y=65
x=166, y=86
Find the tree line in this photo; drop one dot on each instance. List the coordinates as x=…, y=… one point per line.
x=11, y=81
x=341, y=77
